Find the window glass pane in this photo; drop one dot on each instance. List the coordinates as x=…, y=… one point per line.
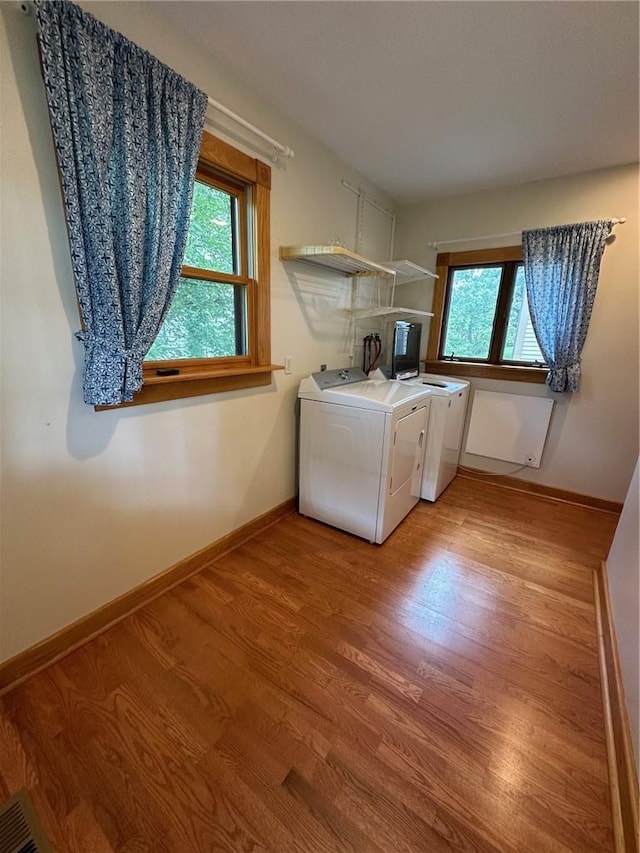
x=211, y=243
x=520, y=342
x=206, y=320
x=472, y=309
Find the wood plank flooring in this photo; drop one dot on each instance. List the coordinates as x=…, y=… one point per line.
x=310, y=692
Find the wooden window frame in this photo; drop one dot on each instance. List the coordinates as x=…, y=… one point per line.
x=197, y=377
x=434, y=362
x=239, y=277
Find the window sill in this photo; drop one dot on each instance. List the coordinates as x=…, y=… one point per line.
x=157, y=389
x=515, y=373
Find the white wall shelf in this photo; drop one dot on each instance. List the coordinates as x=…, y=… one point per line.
x=407, y=271
x=342, y=261
x=335, y=258
x=348, y=263
x=386, y=312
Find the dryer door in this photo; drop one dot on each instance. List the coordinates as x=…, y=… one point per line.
x=404, y=471
x=408, y=453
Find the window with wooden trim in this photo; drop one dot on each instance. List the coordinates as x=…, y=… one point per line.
x=207, y=318
x=216, y=334
x=481, y=324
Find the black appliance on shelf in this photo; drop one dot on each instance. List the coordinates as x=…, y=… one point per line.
x=405, y=356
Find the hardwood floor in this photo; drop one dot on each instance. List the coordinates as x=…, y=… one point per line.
x=311, y=692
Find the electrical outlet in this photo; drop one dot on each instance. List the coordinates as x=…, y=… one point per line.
x=323, y=367
x=288, y=369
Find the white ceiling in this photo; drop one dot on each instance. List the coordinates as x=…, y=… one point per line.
x=437, y=98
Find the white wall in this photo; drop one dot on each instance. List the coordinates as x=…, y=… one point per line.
x=592, y=443
x=623, y=569
x=93, y=504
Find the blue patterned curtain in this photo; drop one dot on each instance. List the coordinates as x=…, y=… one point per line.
x=127, y=134
x=561, y=267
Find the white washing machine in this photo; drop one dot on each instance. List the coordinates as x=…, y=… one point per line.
x=446, y=424
x=361, y=450
x=444, y=440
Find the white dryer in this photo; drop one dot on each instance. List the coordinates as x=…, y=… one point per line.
x=361, y=450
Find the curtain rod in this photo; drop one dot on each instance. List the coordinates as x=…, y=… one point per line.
x=283, y=150
x=436, y=243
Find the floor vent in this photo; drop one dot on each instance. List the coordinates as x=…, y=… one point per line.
x=20, y=830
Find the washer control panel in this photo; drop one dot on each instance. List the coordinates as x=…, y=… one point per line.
x=340, y=376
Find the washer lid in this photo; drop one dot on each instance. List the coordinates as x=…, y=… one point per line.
x=376, y=395
x=440, y=385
